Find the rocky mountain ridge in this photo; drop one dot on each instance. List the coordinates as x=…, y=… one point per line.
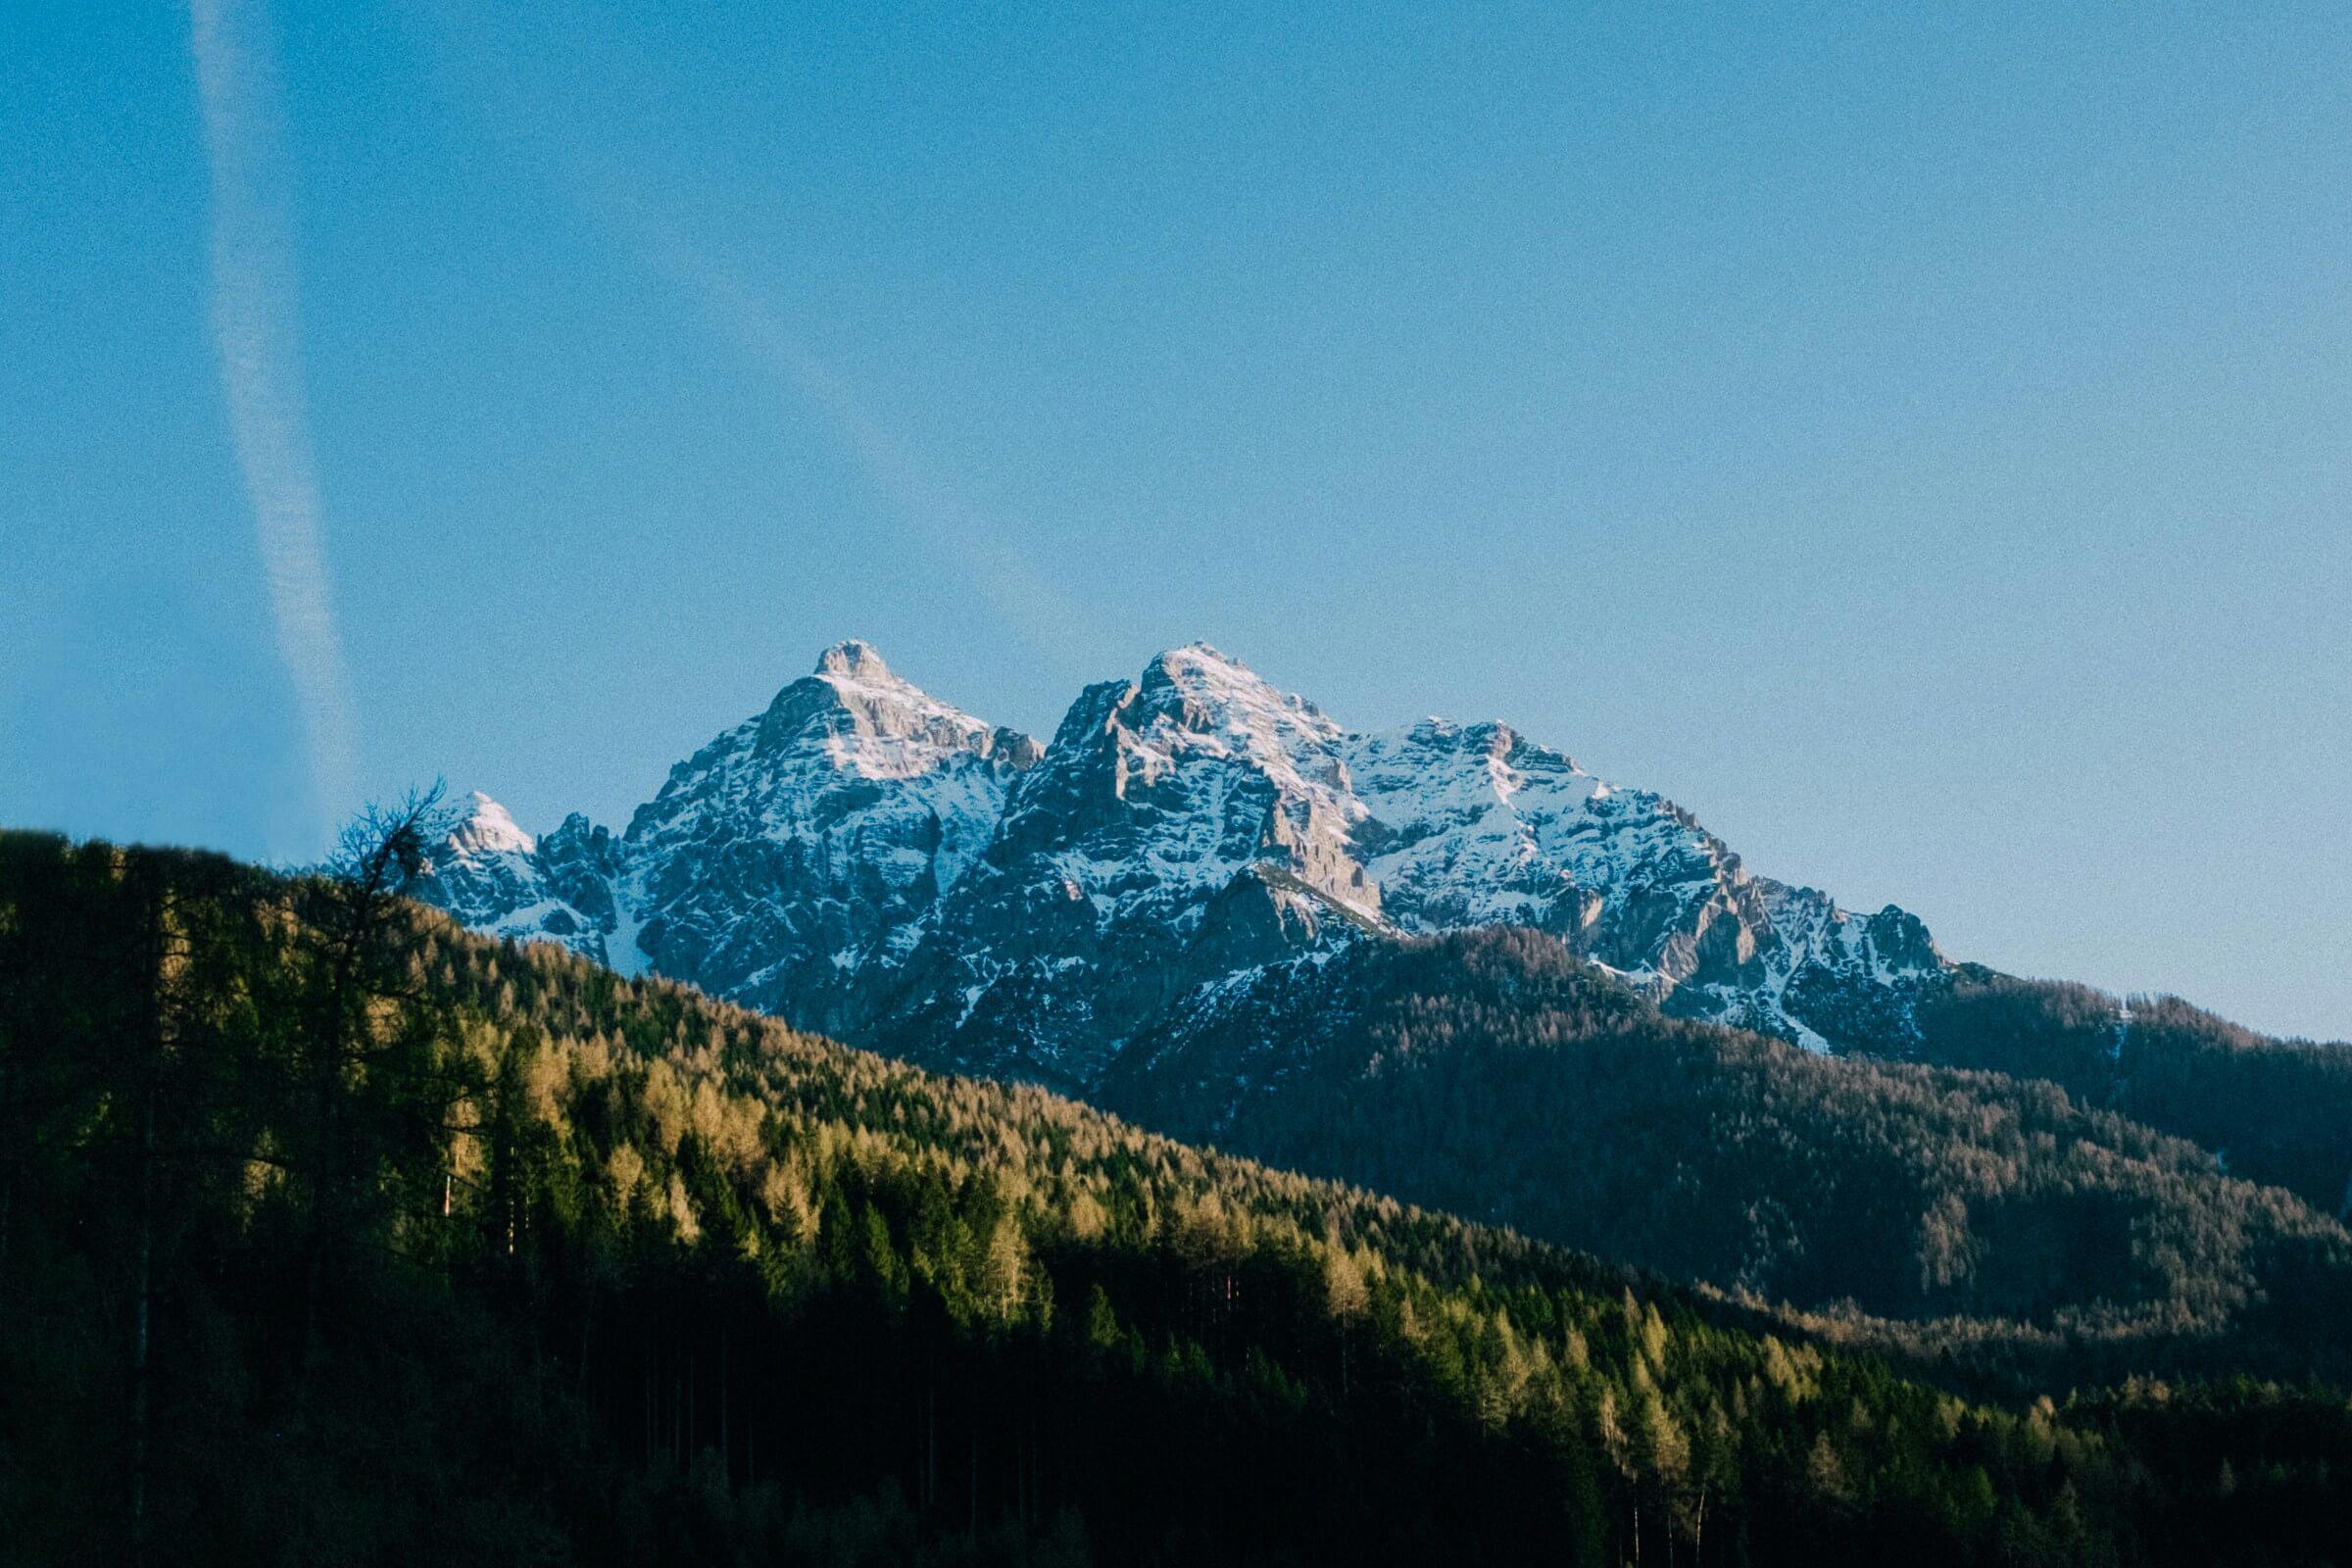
x=864, y=859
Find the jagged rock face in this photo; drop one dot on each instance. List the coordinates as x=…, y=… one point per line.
x=1181, y=826
x=805, y=845
x=866, y=859
x=783, y=865
x=1828, y=976
x=581, y=865
x=1472, y=825
x=562, y=888
x=488, y=871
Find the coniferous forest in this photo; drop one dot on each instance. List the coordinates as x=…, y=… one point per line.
x=333, y=1233
x=1989, y=1208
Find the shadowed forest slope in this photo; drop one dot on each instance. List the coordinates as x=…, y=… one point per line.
x=1491, y=1074
x=329, y=1232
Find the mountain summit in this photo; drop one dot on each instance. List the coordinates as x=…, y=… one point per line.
x=865, y=858
x=855, y=658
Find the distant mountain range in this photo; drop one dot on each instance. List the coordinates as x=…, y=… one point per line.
x=866, y=859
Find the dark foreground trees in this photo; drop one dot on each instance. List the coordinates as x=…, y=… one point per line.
x=446, y=1250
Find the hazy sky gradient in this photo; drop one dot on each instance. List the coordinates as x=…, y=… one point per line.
x=1919, y=441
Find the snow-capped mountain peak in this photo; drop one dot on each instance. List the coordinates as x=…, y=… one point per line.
x=1196, y=705
x=486, y=829
x=1223, y=687
x=870, y=859
x=854, y=659
x=880, y=705
x=1220, y=704
x=800, y=846
x=487, y=873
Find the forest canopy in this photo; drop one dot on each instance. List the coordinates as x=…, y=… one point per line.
x=331, y=1232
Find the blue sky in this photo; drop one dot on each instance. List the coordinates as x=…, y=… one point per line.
x=1917, y=439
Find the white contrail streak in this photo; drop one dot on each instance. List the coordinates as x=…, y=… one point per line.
x=254, y=332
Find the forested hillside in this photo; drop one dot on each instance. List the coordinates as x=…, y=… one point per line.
x=2273, y=1111
x=1491, y=1074
x=329, y=1232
